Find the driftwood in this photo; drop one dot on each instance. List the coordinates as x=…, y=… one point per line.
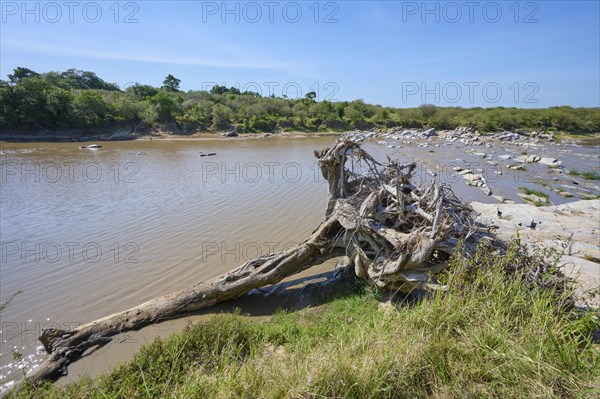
x=396, y=236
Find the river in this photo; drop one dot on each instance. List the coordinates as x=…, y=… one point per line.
x=85, y=233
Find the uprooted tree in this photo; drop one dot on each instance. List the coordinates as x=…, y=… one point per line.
x=395, y=235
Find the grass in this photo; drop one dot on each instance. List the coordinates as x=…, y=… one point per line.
x=537, y=193
x=565, y=194
x=591, y=257
x=517, y=166
x=588, y=175
x=543, y=183
x=490, y=335
x=591, y=139
x=590, y=196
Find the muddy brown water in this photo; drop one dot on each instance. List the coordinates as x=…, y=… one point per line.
x=85, y=233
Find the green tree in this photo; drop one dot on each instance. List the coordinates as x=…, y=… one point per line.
x=300, y=112
x=124, y=107
x=196, y=115
x=171, y=83
x=340, y=109
x=428, y=110
x=143, y=91
x=357, y=111
x=251, y=93
x=20, y=73
x=73, y=79
x=221, y=117
x=90, y=109
x=165, y=107
x=322, y=110
x=311, y=96
x=10, y=115
x=224, y=90
x=39, y=104
x=380, y=116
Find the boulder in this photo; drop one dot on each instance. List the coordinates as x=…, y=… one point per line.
x=486, y=190
x=428, y=133
x=472, y=177
x=528, y=158
x=232, y=132
x=550, y=161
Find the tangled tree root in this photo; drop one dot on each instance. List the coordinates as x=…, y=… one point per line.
x=395, y=235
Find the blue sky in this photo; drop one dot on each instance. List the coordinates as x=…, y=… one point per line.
x=394, y=53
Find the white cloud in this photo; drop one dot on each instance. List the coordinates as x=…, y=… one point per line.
x=44, y=48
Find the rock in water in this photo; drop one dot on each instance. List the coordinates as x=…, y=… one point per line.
x=550, y=161
x=232, y=132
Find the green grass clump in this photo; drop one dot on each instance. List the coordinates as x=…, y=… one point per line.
x=588, y=175
x=543, y=183
x=517, y=166
x=590, y=196
x=491, y=334
x=537, y=193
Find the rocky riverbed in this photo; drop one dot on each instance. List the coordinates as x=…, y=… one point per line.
x=527, y=185
x=572, y=229
x=504, y=167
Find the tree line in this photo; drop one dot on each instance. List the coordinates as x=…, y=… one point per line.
x=80, y=99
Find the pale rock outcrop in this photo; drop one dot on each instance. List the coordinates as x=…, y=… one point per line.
x=572, y=228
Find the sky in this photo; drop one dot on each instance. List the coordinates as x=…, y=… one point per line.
x=525, y=54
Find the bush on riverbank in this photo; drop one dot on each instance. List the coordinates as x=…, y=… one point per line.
x=492, y=334
x=80, y=99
